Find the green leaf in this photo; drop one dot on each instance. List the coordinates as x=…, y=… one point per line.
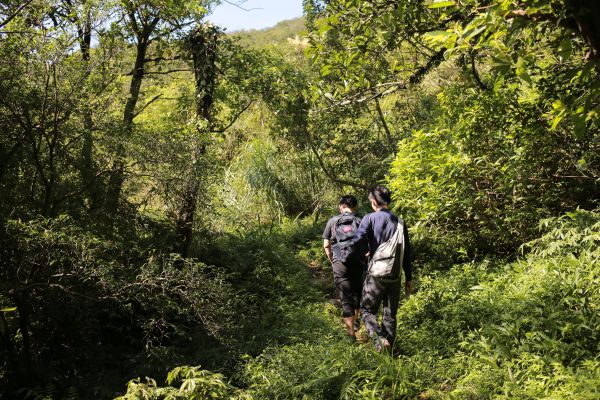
x=8, y=309
x=441, y=4
x=522, y=72
x=325, y=70
x=352, y=57
x=441, y=38
x=472, y=32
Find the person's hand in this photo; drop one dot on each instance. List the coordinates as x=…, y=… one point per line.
x=408, y=288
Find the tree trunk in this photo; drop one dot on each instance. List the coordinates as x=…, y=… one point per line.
x=117, y=176
x=87, y=167
x=202, y=44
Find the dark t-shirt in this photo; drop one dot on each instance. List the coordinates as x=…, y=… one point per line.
x=329, y=234
x=377, y=228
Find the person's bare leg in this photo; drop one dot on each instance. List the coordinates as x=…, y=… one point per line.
x=356, y=323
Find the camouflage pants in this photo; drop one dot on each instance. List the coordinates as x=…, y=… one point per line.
x=376, y=292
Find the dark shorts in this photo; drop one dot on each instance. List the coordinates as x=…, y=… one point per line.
x=348, y=280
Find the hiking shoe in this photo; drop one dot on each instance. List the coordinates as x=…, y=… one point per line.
x=380, y=344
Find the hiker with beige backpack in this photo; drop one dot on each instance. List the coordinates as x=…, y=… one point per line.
x=386, y=237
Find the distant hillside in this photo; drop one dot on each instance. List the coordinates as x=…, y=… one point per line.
x=274, y=36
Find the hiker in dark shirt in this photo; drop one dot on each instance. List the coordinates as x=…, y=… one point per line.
x=375, y=229
x=347, y=271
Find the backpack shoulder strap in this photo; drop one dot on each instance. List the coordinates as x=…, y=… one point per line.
x=400, y=230
x=400, y=241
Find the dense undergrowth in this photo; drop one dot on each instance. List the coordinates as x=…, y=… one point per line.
x=527, y=329
x=134, y=310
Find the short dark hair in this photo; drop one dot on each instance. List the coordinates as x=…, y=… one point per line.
x=349, y=201
x=381, y=195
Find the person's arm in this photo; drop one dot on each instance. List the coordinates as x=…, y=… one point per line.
x=327, y=240
x=406, y=263
x=327, y=248
x=359, y=242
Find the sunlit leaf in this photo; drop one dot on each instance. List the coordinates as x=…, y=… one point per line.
x=441, y=4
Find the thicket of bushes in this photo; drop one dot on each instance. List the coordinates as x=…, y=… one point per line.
x=137, y=311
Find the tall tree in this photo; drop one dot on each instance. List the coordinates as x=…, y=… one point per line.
x=146, y=23
x=202, y=43
x=85, y=17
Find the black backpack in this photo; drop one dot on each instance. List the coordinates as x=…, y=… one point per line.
x=344, y=231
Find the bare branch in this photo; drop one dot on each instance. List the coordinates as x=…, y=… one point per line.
x=161, y=72
x=159, y=59
x=374, y=93
x=77, y=192
x=175, y=28
x=235, y=118
x=20, y=33
x=147, y=104
x=476, y=74
x=433, y=61
x=326, y=170
x=238, y=5
x=535, y=16
x=386, y=128
x=57, y=286
x=13, y=15
x=167, y=72
x=359, y=97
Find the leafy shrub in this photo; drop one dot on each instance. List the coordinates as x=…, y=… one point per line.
x=78, y=296
x=489, y=166
x=194, y=384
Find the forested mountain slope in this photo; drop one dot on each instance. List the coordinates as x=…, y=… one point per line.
x=280, y=34
x=164, y=187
